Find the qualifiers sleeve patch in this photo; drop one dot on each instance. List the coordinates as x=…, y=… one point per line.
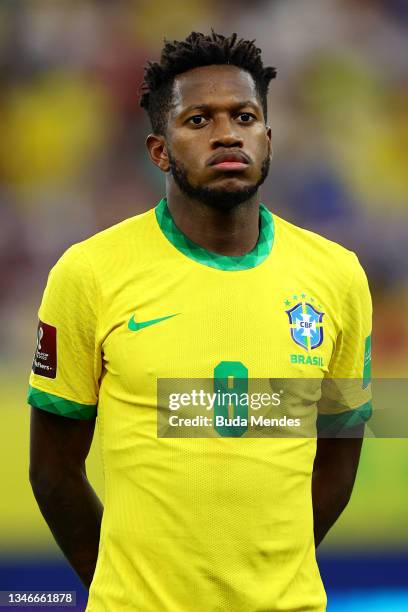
x=45, y=358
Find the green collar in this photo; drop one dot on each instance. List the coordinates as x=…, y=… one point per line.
x=222, y=262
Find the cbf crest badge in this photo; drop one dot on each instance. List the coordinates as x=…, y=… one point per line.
x=306, y=324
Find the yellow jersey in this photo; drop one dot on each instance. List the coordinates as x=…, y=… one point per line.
x=207, y=524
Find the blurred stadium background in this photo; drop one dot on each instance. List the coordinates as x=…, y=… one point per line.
x=72, y=162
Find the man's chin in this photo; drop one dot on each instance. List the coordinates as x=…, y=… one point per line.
x=223, y=198
x=231, y=191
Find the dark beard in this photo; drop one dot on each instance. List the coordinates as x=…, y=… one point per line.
x=221, y=199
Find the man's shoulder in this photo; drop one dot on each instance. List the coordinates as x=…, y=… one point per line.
x=312, y=246
x=108, y=249
x=122, y=234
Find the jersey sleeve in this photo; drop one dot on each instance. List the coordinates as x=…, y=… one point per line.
x=346, y=389
x=67, y=361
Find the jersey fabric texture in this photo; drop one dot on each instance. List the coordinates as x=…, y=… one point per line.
x=206, y=524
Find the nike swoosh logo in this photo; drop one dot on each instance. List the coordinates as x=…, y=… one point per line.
x=134, y=326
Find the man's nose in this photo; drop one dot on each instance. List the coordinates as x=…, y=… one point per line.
x=224, y=135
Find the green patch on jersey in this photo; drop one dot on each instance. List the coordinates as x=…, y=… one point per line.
x=367, y=362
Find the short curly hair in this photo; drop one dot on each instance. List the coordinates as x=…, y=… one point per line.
x=195, y=51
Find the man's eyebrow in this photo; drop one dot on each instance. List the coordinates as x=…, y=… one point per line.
x=209, y=107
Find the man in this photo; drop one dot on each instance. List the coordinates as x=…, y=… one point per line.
x=209, y=284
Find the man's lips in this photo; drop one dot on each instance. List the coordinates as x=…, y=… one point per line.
x=230, y=165
x=230, y=161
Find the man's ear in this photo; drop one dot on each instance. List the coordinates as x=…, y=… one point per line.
x=157, y=150
x=269, y=137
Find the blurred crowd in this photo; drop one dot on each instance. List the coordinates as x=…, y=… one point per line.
x=72, y=155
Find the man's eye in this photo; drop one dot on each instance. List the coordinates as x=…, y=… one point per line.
x=246, y=117
x=197, y=120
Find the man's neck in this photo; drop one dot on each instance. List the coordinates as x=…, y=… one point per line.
x=230, y=232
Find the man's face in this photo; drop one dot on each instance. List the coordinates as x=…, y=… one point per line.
x=218, y=145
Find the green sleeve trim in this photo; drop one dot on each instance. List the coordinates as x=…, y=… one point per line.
x=342, y=420
x=59, y=405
